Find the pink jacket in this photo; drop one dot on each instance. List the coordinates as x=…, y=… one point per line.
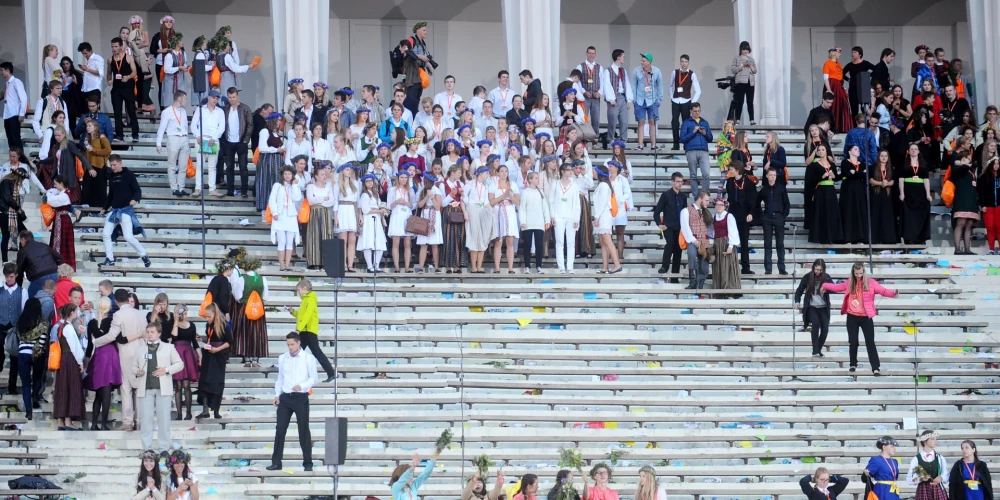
x=867, y=297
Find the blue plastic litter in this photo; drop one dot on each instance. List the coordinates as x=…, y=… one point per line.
x=590, y=296
x=448, y=295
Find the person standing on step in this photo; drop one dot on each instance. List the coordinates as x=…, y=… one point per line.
x=618, y=93
x=647, y=87
x=207, y=126
x=928, y=469
x=742, y=196
x=174, y=124
x=250, y=335
x=697, y=228
x=667, y=217
x=128, y=325
x=121, y=78
x=815, y=305
x=12, y=300
x=773, y=205
x=684, y=89
x=153, y=370
x=296, y=377
x=970, y=477
x=882, y=471
x=68, y=398
x=123, y=195
x=696, y=134
x=46, y=106
x=15, y=105
x=852, y=69
x=104, y=370
x=235, y=141
x=307, y=325
x=592, y=91
x=859, y=307
x=32, y=330
x=214, y=358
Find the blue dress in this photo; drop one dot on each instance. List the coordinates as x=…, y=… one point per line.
x=884, y=469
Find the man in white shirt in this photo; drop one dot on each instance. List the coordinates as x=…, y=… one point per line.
x=487, y=119
x=174, y=124
x=683, y=90
x=618, y=93
x=448, y=98
x=478, y=98
x=45, y=106
x=93, y=71
x=697, y=234
x=591, y=79
x=208, y=129
x=296, y=377
x=15, y=105
x=502, y=96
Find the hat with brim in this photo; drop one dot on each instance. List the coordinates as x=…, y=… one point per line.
x=647, y=56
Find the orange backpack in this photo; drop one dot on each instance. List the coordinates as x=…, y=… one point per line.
x=207, y=301
x=55, y=349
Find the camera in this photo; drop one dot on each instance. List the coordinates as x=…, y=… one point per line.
x=434, y=63
x=724, y=83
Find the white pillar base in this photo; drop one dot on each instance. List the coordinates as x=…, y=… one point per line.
x=767, y=25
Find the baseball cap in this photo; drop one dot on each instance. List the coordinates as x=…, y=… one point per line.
x=648, y=56
x=214, y=93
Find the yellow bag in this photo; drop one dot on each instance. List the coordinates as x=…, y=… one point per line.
x=205, y=303
x=48, y=214
x=304, y=212
x=255, y=307
x=425, y=79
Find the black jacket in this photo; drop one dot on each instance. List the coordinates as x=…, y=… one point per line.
x=7, y=197
x=515, y=116
x=956, y=485
x=765, y=198
x=259, y=123
x=668, y=209
x=814, y=116
x=534, y=91
x=122, y=188
x=36, y=259
x=741, y=195
x=803, y=290
x=837, y=486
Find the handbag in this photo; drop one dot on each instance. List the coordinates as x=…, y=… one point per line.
x=456, y=216
x=418, y=225
x=190, y=168
x=586, y=131
x=79, y=169
x=207, y=301
x=268, y=218
x=48, y=214
x=12, y=344
x=215, y=77
x=256, y=156
x=304, y=211
x=425, y=79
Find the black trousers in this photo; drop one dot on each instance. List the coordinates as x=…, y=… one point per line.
x=526, y=236
x=311, y=341
x=212, y=401
x=867, y=326
x=671, y=251
x=233, y=152
x=678, y=113
x=289, y=403
x=819, y=320
x=412, y=101
x=4, y=241
x=774, y=225
x=741, y=92
x=744, y=229
x=119, y=98
x=12, y=128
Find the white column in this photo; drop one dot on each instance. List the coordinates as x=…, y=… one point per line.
x=56, y=22
x=767, y=25
x=532, y=31
x=983, y=17
x=300, y=37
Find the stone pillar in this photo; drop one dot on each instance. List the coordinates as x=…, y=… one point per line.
x=300, y=37
x=983, y=17
x=767, y=25
x=56, y=22
x=532, y=31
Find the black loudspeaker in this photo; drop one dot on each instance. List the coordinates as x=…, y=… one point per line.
x=336, y=440
x=199, y=77
x=864, y=88
x=333, y=257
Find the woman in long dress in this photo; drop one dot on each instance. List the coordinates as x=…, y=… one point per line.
x=401, y=202
x=62, y=239
x=321, y=197
x=853, y=197
x=429, y=203
x=476, y=204
x=68, y=399
x=175, y=69
x=583, y=176
x=505, y=198
x=372, y=239
x=346, y=211
x=271, y=146
x=214, y=358
x=454, y=232
x=104, y=372
x=833, y=81
x=965, y=207
x=916, y=198
x=882, y=184
x=284, y=202
x=822, y=173
x=185, y=339
x=604, y=213
x=249, y=336
x=726, y=268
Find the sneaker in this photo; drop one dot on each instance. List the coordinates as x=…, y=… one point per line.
x=562, y=271
x=990, y=253
x=182, y=193
x=538, y=270
x=527, y=270
x=135, y=140
x=216, y=193
x=145, y=261
x=662, y=270
x=571, y=271
x=108, y=262
x=783, y=273
x=175, y=193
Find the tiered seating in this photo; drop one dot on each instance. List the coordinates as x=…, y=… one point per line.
x=720, y=394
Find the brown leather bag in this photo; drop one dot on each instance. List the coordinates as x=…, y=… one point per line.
x=418, y=225
x=456, y=216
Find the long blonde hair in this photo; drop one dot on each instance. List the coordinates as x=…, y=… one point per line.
x=218, y=324
x=647, y=491
x=345, y=183
x=852, y=283
x=775, y=142
x=103, y=308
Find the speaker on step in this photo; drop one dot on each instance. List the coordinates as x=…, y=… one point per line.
x=200, y=81
x=864, y=88
x=336, y=441
x=333, y=257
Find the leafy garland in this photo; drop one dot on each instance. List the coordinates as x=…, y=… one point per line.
x=443, y=441
x=571, y=459
x=483, y=464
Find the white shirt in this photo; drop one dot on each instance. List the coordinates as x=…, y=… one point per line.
x=564, y=202
x=15, y=98
x=293, y=149
x=476, y=104
x=695, y=88
x=298, y=370
x=913, y=478
x=534, y=210
x=734, y=234
x=173, y=122
x=234, y=125
x=168, y=64
x=686, y=226
x=12, y=289
x=92, y=81
x=57, y=198
x=234, y=64
x=623, y=87
x=319, y=149
x=600, y=77
x=448, y=103
x=214, y=126
x=71, y=339
x=502, y=99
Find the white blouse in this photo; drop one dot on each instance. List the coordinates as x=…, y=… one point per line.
x=534, y=209
x=564, y=201
x=319, y=149
x=56, y=198
x=320, y=196
x=262, y=138
x=476, y=193
x=734, y=233
x=293, y=149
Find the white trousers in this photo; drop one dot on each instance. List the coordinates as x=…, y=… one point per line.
x=210, y=161
x=565, y=234
x=150, y=405
x=109, y=227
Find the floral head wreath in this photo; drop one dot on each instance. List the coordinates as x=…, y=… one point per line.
x=492, y=158
x=367, y=177
x=362, y=110
x=179, y=457
x=298, y=158
x=615, y=163
x=321, y=84
x=149, y=455
x=293, y=81
x=412, y=140
x=543, y=134
x=568, y=92
x=513, y=128
x=346, y=166
x=325, y=164
x=461, y=159
x=527, y=121
x=407, y=165
x=274, y=116
x=481, y=170
x=463, y=127
x=224, y=264
x=166, y=19
x=135, y=20
x=403, y=172
x=386, y=145
x=430, y=177
x=174, y=40
x=223, y=30
x=516, y=146
x=199, y=42
x=347, y=90
x=929, y=435
x=722, y=200
x=833, y=49
x=549, y=158
x=419, y=25
x=918, y=48
x=248, y=263
x=458, y=145
x=603, y=172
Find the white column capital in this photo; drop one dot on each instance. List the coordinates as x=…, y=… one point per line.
x=532, y=31
x=767, y=25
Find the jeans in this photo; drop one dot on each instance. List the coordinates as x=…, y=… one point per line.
x=12, y=127
x=235, y=152
x=126, y=98
x=819, y=321
x=868, y=328
x=526, y=236
x=774, y=224
x=24, y=370
x=109, y=228
x=678, y=113
x=177, y=159
x=697, y=267
x=289, y=403
x=671, y=251
x=154, y=403
x=618, y=117
x=741, y=92
x=311, y=341
x=36, y=284
x=565, y=236
x=699, y=160
x=593, y=109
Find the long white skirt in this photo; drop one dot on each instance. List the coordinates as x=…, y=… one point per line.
x=436, y=237
x=505, y=221
x=372, y=234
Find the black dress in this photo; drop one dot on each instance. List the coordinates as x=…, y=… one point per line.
x=916, y=217
x=883, y=211
x=166, y=325
x=212, y=379
x=826, y=226
x=853, y=202
x=222, y=292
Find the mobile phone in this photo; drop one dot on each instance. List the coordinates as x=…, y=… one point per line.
x=182, y=310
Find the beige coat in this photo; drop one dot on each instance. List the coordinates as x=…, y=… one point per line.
x=128, y=321
x=166, y=357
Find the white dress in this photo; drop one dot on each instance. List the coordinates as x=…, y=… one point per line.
x=540, y=115
x=372, y=232
x=284, y=203
x=436, y=237
x=505, y=214
x=187, y=494
x=319, y=150
x=347, y=217
x=623, y=195
x=399, y=214
x=602, y=208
